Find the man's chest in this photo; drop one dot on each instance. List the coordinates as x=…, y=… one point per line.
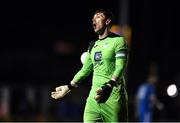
x=102, y=51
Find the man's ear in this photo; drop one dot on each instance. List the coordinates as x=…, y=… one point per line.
x=108, y=21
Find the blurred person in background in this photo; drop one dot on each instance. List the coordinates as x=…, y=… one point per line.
x=107, y=59
x=146, y=98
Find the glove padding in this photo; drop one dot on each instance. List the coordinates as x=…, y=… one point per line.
x=105, y=91
x=60, y=92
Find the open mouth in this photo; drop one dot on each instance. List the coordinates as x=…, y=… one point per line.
x=94, y=25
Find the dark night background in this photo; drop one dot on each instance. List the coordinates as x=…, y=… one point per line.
x=41, y=45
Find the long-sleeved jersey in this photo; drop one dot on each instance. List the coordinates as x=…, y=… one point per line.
x=106, y=58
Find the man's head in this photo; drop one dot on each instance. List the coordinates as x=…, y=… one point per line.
x=102, y=19
x=153, y=79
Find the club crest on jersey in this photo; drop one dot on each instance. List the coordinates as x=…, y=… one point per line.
x=97, y=56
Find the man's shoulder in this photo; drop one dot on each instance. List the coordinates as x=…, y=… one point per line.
x=117, y=39
x=115, y=35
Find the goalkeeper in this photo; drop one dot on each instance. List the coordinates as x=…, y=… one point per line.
x=107, y=59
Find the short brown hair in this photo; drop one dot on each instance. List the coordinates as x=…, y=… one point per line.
x=107, y=13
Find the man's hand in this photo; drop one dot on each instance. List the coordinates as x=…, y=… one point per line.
x=104, y=92
x=60, y=92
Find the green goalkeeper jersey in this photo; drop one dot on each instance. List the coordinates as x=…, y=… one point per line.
x=107, y=57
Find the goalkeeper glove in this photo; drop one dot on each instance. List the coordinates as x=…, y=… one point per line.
x=105, y=91
x=61, y=91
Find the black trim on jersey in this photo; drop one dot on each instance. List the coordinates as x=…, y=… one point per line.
x=91, y=46
x=111, y=35
x=123, y=51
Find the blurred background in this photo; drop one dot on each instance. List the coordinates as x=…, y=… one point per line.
x=41, y=45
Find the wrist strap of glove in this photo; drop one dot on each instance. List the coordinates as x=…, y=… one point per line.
x=70, y=86
x=112, y=83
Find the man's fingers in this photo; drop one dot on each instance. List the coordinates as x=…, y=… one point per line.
x=97, y=97
x=55, y=95
x=99, y=91
x=58, y=89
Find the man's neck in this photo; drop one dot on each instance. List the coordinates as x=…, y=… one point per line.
x=104, y=34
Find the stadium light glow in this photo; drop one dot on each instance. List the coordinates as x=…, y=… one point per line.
x=172, y=90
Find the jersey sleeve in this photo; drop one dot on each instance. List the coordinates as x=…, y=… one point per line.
x=120, y=48
x=86, y=68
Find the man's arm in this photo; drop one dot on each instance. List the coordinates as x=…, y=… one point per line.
x=120, y=58
x=86, y=69
x=159, y=105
